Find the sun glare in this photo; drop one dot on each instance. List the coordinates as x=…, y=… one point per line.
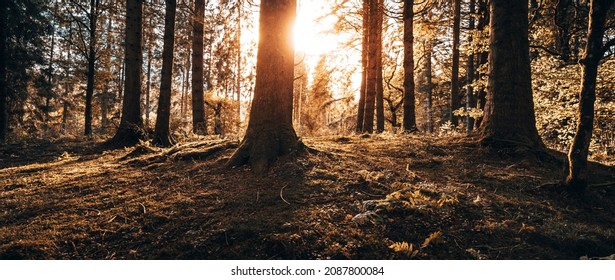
x=309, y=32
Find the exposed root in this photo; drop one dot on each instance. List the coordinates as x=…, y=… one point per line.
x=199, y=153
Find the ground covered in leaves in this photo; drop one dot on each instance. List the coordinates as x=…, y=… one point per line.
x=356, y=197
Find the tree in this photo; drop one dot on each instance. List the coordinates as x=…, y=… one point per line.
x=161, y=132
x=92, y=16
x=509, y=112
x=470, y=99
x=314, y=117
x=378, y=60
x=199, y=121
x=270, y=131
x=364, y=47
x=455, y=101
x=576, y=167
x=409, y=121
x=4, y=117
x=130, y=130
x=372, y=66
x=25, y=25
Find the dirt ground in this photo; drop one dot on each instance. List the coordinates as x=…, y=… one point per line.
x=356, y=197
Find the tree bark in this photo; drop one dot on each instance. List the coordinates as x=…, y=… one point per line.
x=576, y=168
x=470, y=98
x=379, y=80
x=270, y=131
x=371, y=87
x=162, y=136
x=409, y=121
x=509, y=117
x=482, y=57
x=199, y=120
x=148, y=87
x=89, y=92
x=4, y=116
x=364, y=49
x=425, y=85
x=238, y=81
x=130, y=130
x=455, y=101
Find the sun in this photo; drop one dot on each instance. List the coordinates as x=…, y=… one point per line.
x=309, y=37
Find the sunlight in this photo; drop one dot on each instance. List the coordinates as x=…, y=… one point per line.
x=309, y=37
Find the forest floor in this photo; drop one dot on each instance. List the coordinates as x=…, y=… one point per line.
x=358, y=197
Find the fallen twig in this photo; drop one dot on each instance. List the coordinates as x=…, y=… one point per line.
x=282, y=194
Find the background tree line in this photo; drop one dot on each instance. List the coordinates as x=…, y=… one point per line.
x=520, y=73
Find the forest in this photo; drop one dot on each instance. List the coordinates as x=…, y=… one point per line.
x=307, y=129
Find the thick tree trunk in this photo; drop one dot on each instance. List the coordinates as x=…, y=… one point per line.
x=4, y=116
x=379, y=80
x=270, y=131
x=409, y=121
x=509, y=112
x=199, y=121
x=576, y=168
x=372, y=68
x=364, y=49
x=89, y=92
x=130, y=130
x=162, y=136
x=470, y=98
x=455, y=100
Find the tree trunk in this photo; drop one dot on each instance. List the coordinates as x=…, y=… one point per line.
x=4, y=116
x=372, y=67
x=425, y=86
x=576, y=168
x=162, y=136
x=509, y=112
x=199, y=121
x=409, y=120
x=563, y=23
x=49, y=89
x=270, y=131
x=483, y=57
x=89, y=92
x=218, y=125
x=104, y=106
x=364, y=49
x=238, y=81
x=470, y=98
x=148, y=87
x=379, y=80
x=185, y=87
x=455, y=100
x=130, y=130
x=121, y=80
x=67, y=89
